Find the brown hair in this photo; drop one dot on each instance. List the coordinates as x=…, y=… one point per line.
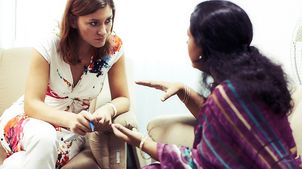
x=67, y=47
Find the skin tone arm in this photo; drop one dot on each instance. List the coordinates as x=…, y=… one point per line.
x=34, y=106
x=119, y=94
x=119, y=86
x=193, y=101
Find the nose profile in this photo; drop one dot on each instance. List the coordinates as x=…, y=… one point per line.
x=102, y=30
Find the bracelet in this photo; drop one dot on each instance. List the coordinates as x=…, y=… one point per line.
x=186, y=94
x=114, y=109
x=141, y=144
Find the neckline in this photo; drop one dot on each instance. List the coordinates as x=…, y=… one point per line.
x=73, y=85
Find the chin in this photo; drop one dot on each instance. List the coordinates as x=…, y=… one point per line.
x=98, y=45
x=197, y=65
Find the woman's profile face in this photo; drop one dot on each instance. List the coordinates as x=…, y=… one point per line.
x=95, y=28
x=193, y=50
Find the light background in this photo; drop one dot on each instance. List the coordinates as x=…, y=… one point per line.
x=154, y=36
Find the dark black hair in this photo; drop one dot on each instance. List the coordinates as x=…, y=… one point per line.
x=224, y=32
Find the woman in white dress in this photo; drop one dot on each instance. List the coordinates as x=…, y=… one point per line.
x=67, y=72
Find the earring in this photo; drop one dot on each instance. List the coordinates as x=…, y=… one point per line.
x=200, y=57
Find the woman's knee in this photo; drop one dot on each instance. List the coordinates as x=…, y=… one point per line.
x=40, y=133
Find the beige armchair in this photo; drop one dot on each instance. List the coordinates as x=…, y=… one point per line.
x=14, y=64
x=178, y=129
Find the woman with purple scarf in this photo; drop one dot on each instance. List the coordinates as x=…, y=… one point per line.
x=243, y=123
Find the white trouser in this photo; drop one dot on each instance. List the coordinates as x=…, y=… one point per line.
x=40, y=146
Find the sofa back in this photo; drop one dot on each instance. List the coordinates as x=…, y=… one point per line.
x=14, y=65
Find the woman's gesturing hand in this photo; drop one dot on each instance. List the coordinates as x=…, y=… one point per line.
x=169, y=88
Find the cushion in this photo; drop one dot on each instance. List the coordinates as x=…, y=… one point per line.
x=14, y=65
x=173, y=129
x=82, y=160
x=296, y=125
x=296, y=118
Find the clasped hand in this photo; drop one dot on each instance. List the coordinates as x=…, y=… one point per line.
x=101, y=118
x=79, y=123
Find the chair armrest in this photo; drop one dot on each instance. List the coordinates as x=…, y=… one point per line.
x=173, y=129
x=296, y=126
x=108, y=150
x=126, y=119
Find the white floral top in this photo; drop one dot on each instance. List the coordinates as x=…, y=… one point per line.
x=61, y=93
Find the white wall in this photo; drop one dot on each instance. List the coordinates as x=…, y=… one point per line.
x=36, y=18
x=155, y=38
x=7, y=23
x=24, y=21
x=154, y=35
x=274, y=24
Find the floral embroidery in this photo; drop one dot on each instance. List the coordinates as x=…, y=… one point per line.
x=13, y=132
x=116, y=45
x=61, y=77
x=97, y=66
x=67, y=108
x=63, y=153
x=53, y=94
x=85, y=104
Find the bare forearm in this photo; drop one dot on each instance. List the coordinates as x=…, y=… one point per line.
x=191, y=99
x=39, y=110
x=150, y=147
x=122, y=104
x=117, y=106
